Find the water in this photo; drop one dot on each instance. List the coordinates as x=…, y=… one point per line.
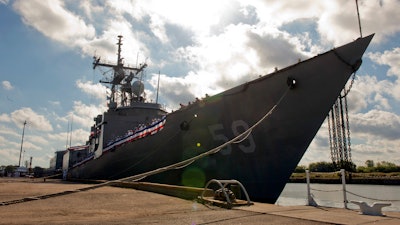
x=331, y=195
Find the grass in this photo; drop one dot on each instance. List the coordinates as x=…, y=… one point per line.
x=336, y=175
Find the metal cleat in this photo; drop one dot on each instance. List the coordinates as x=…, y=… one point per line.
x=374, y=210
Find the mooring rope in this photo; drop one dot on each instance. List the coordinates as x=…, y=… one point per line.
x=187, y=162
x=239, y=138
x=244, y=138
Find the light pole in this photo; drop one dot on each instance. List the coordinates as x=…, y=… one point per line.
x=22, y=141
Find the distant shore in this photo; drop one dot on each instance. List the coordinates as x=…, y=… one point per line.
x=351, y=178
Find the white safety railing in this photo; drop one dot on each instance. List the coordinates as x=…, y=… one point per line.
x=311, y=200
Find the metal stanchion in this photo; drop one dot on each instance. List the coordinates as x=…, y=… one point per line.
x=343, y=172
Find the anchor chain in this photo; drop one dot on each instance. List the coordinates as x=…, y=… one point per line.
x=339, y=130
x=348, y=129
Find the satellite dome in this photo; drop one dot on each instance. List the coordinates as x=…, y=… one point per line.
x=137, y=88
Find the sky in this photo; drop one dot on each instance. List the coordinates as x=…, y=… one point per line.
x=198, y=47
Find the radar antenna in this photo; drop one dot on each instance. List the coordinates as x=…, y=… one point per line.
x=120, y=80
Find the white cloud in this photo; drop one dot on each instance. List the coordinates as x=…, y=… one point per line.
x=121, y=6
x=276, y=13
x=90, y=8
x=340, y=17
x=239, y=54
x=83, y=114
x=9, y=157
x=79, y=137
x=177, y=90
x=384, y=20
x=377, y=151
x=105, y=45
x=368, y=91
x=198, y=15
x=374, y=135
x=34, y=120
x=5, y=130
x=390, y=58
x=7, y=85
x=28, y=146
x=383, y=103
x=157, y=25
x=334, y=17
x=226, y=58
x=5, y=118
x=51, y=18
x=55, y=20
x=377, y=123
x=60, y=137
x=96, y=90
x=40, y=140
x=9, y=149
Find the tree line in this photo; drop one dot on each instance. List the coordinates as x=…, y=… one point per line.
x=10, y=169
x=368, y=167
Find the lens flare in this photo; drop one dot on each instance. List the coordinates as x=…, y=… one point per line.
x=193, y=177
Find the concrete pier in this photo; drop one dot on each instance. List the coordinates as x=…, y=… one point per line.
x=116, y=205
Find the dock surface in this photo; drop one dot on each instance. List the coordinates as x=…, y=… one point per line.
x=115, y=205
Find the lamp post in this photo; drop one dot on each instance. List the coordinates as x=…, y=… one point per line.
x=22, y=141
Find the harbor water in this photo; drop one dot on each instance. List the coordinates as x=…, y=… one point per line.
x=331, y=195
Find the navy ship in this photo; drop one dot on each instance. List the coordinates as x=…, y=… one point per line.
x=256, y=132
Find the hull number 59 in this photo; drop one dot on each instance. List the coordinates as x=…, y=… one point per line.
x=238, y=126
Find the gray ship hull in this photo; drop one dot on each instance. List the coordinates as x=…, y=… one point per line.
x=263, y=160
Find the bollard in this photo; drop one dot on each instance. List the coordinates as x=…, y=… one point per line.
x=236, y=191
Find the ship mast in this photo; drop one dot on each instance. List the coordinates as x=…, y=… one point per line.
x=121, y=87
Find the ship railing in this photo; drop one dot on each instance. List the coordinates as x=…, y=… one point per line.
x=154, y=127
x=139, y=133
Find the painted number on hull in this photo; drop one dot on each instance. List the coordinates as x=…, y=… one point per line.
x=238, y=126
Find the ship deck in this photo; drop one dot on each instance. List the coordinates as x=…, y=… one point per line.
x=116, y=205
